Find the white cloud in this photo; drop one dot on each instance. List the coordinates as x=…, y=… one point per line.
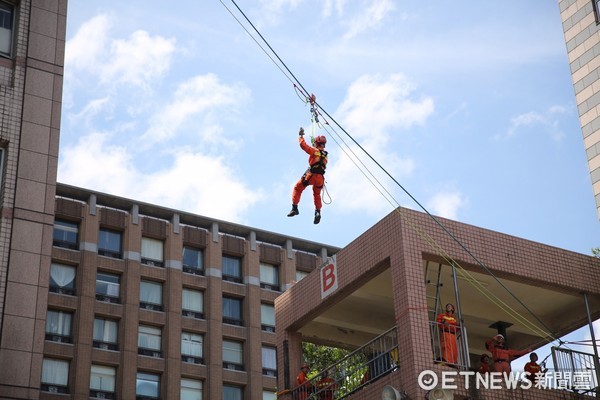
x=370, y=18
x=138, y=60
x=329, y=5
x=200, y=95
x=374, y=106
x=547, y=122
x=88, y=44
x=194, y=182
x=271, y=10
x=446, y=203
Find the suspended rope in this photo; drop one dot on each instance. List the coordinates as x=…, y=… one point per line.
x=316, y=113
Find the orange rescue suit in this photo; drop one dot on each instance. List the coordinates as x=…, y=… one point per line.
x=304, y=389
x=317, y=159
x=448, y=325
x=533, y=368
x=502, y=356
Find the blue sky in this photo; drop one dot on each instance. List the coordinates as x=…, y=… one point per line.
x=469, y=105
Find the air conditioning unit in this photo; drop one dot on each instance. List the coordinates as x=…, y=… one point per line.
x=440, y=394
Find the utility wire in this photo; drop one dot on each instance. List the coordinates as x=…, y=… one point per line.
x=481, y=264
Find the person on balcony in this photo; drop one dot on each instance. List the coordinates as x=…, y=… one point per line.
x=502, y=356
x=304, y=389
x=484, y=366
x=448, y=325
x=533, y=370
x=326, y=386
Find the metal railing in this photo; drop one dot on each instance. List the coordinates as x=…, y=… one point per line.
x=581, y=367
x=356, y=370
x=443, y=341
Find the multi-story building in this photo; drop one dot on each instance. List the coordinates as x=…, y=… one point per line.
x=152, y=303
x=580, y=20
x=32, y=42
x=381, y=296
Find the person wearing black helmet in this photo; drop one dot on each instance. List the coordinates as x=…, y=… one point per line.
x=317, y=160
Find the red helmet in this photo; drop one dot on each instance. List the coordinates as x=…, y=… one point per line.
x=320, y=140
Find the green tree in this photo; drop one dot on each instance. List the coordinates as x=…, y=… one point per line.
x=596, y=252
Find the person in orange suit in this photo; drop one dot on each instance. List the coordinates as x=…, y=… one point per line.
x=326, y=386
x=501, y=355
x=317, y=161
x=449, y=326
x=484, y=366
x=304, y=386
x=533, y=369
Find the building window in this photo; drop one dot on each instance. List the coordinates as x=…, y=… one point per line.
x=149, y=341
x=109, y=243
x=151, y=295
x=232, y=269
x=192, y=303
x=102, y=382
x=190, y=389
x=269, y=276
x=269, y=395
x=232, y=311
x=269, y=361
x=65, y=234
x=192, y=348
x=193, y=261
x=147, y=386
x=596, y=4
x=108, y=287
x=7, y=19
x=300, y=275
x=232, y=393
x=58, y=326
x=106, y=332
x=233, y=355
x=152, y=252
x=267, y=317
x=2, y=152
x=55, y=376
x=62, y=279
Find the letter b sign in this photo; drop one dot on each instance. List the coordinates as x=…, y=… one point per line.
x=329, y=278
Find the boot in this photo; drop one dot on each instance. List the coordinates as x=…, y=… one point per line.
x=294, y=211
x=317, y=216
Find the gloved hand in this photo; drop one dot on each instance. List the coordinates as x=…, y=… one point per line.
x=301, y=133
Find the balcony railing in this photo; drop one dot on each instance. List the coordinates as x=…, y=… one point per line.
x=443, y=339
x=364, y=365
x=581, y=367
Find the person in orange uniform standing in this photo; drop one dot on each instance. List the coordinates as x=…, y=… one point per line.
x=317, y=161
x=304, y=386
x=449, y=326
x=484, y=366
x=501, y=355
x=533, y=369
x=326, y=386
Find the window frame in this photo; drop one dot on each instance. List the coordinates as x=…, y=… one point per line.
x=231, y=363
x=147, y=304
x=106, y=297
x=187, y=340
x=101, y=392
x=188, y=268
x=147, y=377
x=49, y=367
x=273, y=284
x=13, y=20
x=105, y=343
x=263, y=325
x=239, y=392
x=109, y=249
x=148, y=247
x=68, y=227
x=59, y=337
x=225, y=267
x=266, y=370
x=193, y=387
x=187, y=312
x=227, y=317
x=151, y=332
x=67, y=289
